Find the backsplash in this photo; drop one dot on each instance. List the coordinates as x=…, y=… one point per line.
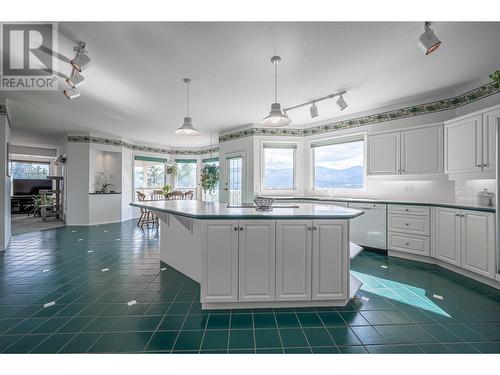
x=466, y=191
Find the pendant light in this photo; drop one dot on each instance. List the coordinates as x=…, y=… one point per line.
x=187, y=127
x=276, y=117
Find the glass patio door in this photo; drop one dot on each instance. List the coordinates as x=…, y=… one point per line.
x=234, y=183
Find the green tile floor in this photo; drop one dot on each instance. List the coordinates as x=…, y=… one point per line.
x=91, y=273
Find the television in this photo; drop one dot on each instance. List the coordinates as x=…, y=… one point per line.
x=30, y=186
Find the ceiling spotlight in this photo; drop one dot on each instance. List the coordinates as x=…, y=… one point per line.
x=276, y=117
x=428, y=41
x=341, y=103
x=313, y=110
x=75, y=80
x=81, y=60
x=187, y=127
x=72, y=94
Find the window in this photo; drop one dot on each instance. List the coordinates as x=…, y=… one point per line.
x=278, y=170
x=29, y=170
x=149, y=174
x=338, y=165
x=235, y=180
x=185, y=177
x=212, y=161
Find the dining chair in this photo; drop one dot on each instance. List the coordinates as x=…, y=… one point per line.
x=189, y=194
x=175, y=195
x=147, y=216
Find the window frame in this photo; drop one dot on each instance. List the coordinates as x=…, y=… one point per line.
x=196, y=173
x=279, y=145
x=12, y=161
x=154, y=159
x=347, y=138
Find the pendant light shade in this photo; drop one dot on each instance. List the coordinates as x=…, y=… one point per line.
x=187, y=127
x=276, y=117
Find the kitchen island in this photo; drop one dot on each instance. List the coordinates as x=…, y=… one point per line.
x=292, y=256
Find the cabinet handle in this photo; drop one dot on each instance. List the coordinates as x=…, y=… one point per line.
x=241, y=228
x=315, y=228
x=235, y=228
x=407, y=209
x=310, y=228
x=407, y=224
x=480, y=165
x=457, y=214
x=407, y=244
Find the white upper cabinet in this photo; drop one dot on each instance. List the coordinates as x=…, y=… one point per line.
x=463, y=145
x=422, y=151
x=257, y=255
x=329, y=260
x=416, y=151
x=293, y=260
x=478, y=242
x=383, y=154
x=490, y=123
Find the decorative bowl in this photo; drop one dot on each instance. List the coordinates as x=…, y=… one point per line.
x=264, y=204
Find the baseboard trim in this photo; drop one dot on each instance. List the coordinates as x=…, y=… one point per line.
x=471, y=275
x=270, y=304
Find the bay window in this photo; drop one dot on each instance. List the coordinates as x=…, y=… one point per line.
x=185, y=178
x=338, y=164
x=278, y=166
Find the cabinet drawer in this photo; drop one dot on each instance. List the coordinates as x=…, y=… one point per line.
x=409, y=209
x=409, y=243
x=409, y=224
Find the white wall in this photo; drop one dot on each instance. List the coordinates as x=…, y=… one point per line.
x=128, y=212
x=77, y=186
x=5, y=185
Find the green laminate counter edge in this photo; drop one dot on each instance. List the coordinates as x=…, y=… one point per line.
x=460, y=206
x=201, y=210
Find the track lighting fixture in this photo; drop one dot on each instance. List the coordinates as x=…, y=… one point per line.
x=81, y=60
x=428, y=41
x=341, y=103
x=75, y=80
x=72, y=93
x=187, y=127
x=276, y=117
x=314, y=110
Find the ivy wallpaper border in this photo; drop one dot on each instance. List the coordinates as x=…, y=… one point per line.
x=397, y=114
x=134, y=147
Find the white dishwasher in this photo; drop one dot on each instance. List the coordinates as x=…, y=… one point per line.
x=369, y=229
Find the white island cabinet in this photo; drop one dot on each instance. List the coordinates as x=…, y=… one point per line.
x=243, y=258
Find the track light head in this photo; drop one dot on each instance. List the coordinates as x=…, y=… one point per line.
x=80, y=62
x=428, y=41
x=75, y=80
x=341, y=103
x=72, y=94
x=314, y=110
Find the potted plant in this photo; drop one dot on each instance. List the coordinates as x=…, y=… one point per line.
x=105, y=180
x=166, y=189
x=495, y=76
x=210, y=180
x=172, y=169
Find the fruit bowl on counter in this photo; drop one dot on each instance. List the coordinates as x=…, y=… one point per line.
x=264, y=204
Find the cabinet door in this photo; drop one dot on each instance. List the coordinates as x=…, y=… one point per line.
x=422, y=150
x=330, y=265
x=293, y=260
x=490, y=123
x=383, y=154
x=257, y=260
x=447, y=235
x=478, y=242
x=462, y=145
x=220, y=261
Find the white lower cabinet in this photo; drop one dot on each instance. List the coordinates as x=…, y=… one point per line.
x=478, y=242
x=466, y=239
x=293, y=260
x=447, y=235
x=257, y=260
x=219, y=261
x=329, y=260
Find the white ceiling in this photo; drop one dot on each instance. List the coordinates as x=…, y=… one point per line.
x=133, y=88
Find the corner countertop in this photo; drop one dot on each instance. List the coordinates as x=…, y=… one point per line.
x=203, y=210
x=462, y=206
